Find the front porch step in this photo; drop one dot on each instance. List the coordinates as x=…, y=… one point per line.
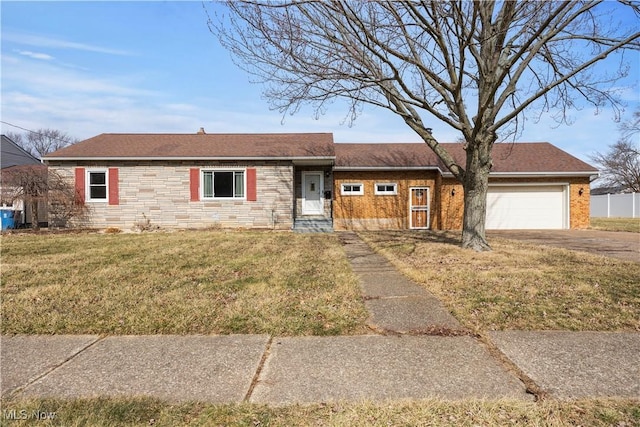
x=313, y=225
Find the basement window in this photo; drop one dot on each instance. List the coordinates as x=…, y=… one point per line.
x=352, y=189
x=384, y=189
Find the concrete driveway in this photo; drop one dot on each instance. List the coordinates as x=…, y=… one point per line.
x=614, y=244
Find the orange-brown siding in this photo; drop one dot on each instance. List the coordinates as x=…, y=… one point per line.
x=371, y=211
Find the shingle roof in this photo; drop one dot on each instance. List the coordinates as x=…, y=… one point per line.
x=538, y=157
x=532, y=157
x=232, y=146
x=14, y=155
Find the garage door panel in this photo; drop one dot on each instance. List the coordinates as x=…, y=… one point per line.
x=535, y=207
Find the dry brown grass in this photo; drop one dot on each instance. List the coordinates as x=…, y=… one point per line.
x=192, y=282
x=145, y=412
x=616, y=224
x=518, y=285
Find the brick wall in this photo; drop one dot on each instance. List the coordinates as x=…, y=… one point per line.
x=371, y=211
x=451, y=210
x=452, y=207
x=579, y=204
x=446, y=205
x=160, y=191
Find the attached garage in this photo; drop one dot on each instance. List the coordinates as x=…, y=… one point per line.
x=532, y=207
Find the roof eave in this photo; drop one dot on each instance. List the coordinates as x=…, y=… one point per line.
x=192, y=158
x=384, y=168
x=540, y=174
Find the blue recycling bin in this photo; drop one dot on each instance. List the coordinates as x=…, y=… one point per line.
x=7, y=218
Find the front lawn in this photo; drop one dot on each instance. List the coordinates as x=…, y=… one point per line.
x=518, y=285
x=616, y=224
x=149, y=412
x=190, y=282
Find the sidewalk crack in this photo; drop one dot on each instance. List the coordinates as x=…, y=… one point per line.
x=256, y=376
x=53, y=368
x=531, y=387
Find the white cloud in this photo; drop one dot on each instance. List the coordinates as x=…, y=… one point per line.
x=35, y=55
x=52, y=42
x=45, y=78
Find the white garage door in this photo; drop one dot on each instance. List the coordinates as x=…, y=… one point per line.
x=526, y=207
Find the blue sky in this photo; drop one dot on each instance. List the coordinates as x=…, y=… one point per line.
x=91, y=67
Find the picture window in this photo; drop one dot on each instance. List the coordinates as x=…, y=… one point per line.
x=223, y=184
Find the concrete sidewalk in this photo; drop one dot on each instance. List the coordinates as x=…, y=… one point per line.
x=279, y=371
x=395, y=304
x=423, y=353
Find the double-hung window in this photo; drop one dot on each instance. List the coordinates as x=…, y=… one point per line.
x=383, y=189
x=97, y=185
x=352, y=189
x=223, y=184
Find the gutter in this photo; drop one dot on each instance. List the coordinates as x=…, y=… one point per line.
x=200, y=158
x=448, y=174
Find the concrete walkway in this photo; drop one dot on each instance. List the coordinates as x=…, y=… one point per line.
x=395, y=304
x=422, y=353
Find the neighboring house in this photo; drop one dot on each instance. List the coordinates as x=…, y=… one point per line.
x=15, y=160
x=281, y=181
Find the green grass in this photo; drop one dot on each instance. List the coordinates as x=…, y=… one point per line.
x=191, y=282
x=148, y=412
x=518, y=285
x=616, y=224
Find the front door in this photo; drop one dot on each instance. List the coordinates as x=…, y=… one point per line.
x=419, y=207
x=312, y=193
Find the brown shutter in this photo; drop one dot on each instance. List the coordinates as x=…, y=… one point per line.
x=80, y=185
x=114, y=193
x=252, y=193
x=194, y=184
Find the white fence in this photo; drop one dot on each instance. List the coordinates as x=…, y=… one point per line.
x=616, y=206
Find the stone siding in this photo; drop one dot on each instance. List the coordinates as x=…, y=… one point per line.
x=159, y=192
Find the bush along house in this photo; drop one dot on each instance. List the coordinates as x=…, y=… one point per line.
x=305, y=181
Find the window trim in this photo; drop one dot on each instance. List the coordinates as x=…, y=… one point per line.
x=88, y=173
x=218, y=169
x=393, y=192
x=345, y=192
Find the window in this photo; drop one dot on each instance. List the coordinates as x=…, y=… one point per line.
x=352, y=189
x=223, y=184
x=97, y=185
x=386, y=188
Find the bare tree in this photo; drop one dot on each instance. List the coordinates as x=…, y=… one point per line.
x=476, y=66
x=18, y=139
x=36, y=185
x=620, y=166
x=28, y=183
x=43, y=141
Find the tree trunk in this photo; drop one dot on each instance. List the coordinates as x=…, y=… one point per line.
x=35, y=223
x=475, y=183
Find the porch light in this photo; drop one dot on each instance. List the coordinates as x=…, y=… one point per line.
x=453, y=192
x=580, y=191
